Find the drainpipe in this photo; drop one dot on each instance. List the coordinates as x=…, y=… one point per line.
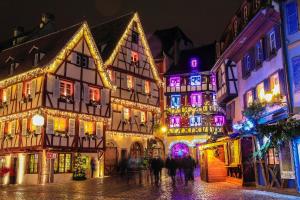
x=286, y=61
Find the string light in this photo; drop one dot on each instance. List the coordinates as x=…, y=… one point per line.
x=136, y=105
x=128, y=134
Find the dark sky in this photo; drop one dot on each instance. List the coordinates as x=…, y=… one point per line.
x=202, y=20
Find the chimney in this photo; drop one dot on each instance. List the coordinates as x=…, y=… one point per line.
x=46, y=18
x=17, y=33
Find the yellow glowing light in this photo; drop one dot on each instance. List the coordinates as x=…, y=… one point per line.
x=7, y=164
x=135, y=105
x=276, y=90
x=38, y=120
x=268, y=97
x=21, y=168
x=164, y=129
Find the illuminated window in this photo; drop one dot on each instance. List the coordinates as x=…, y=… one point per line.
x=260, y=91
x=63, y=163
x=33, y=163
x=275, y=85
x=129, y=82
x=175, y=81
x=272, y=39
x=11, y=127
x=249, y=98
x=147, y=87
x=4, y=95
x=66, y=88
x=126, y=113
x=273, y=157
x=94, y=94
x=60, y=124
x=27, y=88
x=175, y=122
x=195, y=120
x=134, y=56
x=175, y=101
x=89, y=128
x=196, y=99
x=143, y=117
x=219, y=120
x=195, y=80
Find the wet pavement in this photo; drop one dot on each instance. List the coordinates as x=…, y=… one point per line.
x=117, y=188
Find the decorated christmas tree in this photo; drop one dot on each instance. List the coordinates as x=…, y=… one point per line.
x=78, y=168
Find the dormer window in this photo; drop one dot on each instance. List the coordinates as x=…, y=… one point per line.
x=66, y=88
x=82, y=60
x=134, y=57
x=135, y=37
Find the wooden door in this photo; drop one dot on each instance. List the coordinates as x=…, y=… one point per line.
x=110, y=160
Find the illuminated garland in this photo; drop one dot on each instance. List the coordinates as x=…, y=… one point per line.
x=125, y=134
x=195, y=131
x=135, y=105
x=189, y=109
x=136, y=19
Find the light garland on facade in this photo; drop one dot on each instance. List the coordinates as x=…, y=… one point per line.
x=135, y=105
x=111, y=58
x=195, y=131
x=125, y=134
x=189, y=109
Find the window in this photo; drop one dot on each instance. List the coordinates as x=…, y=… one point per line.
x=11, y=127
x=174, y=121
x=126, y=113
x=195, y=120
x=296, y=72
x=60, y=124
x=195, y=80
x=89, y=128
x=275, y=85
x=194, y=62
x=129, y=82
x=219, y=120
x=147, y=87
x=260, y=91
x=175, y=82
x=82, y=60
x=27, y=88
x=4, y=95
x=245, y=12
x=249, y=98
x=134, y=56
x=248, y=63
x=94, y=94
x=175, y=101
x=272, y=41
x=259, y=51
x=33, y=163
x=291, y=17
x=143, y=117
x=62, y=164
x=196, y=99
x=235, y=27
x=230, y=110
x=135, y=37
x=256, y=4
x=66, y=88
x=273, y=157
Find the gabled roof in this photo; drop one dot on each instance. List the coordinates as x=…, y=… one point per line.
x=205, y=55
x=108, y=34
x=49, y=44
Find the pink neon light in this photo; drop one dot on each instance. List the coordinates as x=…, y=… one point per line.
x=175, y=81
x=219, y=120
x=175, y=122
x=196, y=99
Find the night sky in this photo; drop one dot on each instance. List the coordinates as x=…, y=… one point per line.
x=202, y=20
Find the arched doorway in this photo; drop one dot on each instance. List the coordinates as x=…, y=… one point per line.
x=110, y=158
x=179, y=150
x=136, y=150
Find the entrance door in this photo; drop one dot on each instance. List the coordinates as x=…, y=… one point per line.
x=110, y=159
x=136, y=150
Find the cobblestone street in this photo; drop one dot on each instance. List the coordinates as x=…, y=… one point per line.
x=116, y=188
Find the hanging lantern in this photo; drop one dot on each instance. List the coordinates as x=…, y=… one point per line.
x=38, y=120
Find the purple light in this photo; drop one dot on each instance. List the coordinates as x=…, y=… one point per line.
x=194, y=62
x=180, y=150
x=213, y=79
x=175, y=122
x=219, y=120
x=175, y=81
x=196, y=99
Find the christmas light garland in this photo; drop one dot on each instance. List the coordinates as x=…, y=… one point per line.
x=128, y=134
x=135, y=105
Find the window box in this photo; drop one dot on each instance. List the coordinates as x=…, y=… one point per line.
x=27, y=98
x=66, y=99
x=61, y=133
x=95, y=103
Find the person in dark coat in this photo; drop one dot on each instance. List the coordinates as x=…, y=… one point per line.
x=188, y=168
x=172, y=166
x=156, y=166
x=167, y=164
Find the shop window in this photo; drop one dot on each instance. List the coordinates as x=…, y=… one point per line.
x=195, y=80
x=175, y=101
x=175, y=122
x=89, y=128
x=126, y=113
x=66, y=88
x=175, y=82
x=275, y=85
x=249, y=98
x=134, y=57
x=273, y=157
x=195, y=120
x=60, y=124
x=63, y=163
x=82, y=60
x=135, y=37
x=143, y=117
x=94, y=94
x=147, y=87
x=196, y=99
x=260, y=91
x=33, y=160
x=129, y=82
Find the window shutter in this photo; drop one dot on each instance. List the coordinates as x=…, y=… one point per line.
x=149, y=117
x=105, y=96
x=267, y=85
x=24, y=126
x=56, y=88
x=86, y=93
x=50, y=125
x=132, y=116
x=77, y=91
x=282, y=84
x=244, y=67
x=128, y=56
x=99, y=129
x=2, y=125
x=73, y=57
x=278, y=37
x=245, y=100
x=81, y=128
x=33, y=88
x=20, y=92
x=13, y=127
x=143, y=86
x=298, y=13
x=122, y=115
x=123, y=81
x=266, y=47
x=72, y=127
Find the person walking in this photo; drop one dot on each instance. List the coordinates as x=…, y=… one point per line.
x=156, y=168
x=172, y=166
x=93, y=167
x=188, y=168
x=167, y=164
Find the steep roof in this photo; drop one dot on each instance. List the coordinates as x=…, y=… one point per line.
x=49, y=44
x=108, y=34
x=205, y=55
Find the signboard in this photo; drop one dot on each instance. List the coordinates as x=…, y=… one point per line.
x=51, y=155
x=286, y=162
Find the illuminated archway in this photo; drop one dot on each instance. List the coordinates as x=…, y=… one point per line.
x=179, y=150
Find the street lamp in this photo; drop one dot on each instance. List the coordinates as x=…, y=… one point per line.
x=38, y=120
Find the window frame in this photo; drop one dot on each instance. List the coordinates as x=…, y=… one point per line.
x=92, y=96
x=65, y=88
x=57, y=163
x=176, y=80
x=175, y=122
x=82, y=60
x=134, y=56
x=35, y=164
x=198, y=99
x=178, y=97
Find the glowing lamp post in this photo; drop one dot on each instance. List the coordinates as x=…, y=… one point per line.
x=38, y=120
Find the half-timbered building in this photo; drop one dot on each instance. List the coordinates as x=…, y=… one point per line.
x=54, y=107
x=135, y=98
